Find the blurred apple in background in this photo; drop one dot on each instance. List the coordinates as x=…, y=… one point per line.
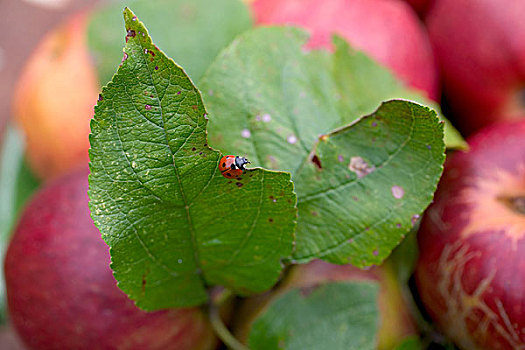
x=61, y=291
x=54, y=99
x=480, y=45
x=471, y=270
x=396, y=322
x=420, y=6
x=387, y=30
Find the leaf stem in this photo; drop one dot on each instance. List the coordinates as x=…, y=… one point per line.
x=218, y=326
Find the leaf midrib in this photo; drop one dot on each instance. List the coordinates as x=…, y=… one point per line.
x=196, y=255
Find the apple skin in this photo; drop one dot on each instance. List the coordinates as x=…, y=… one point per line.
x=396, y=320
x=54, y=98
x=480, y=45
x=471, y=270
x=61, y=291
x=420, y=6
x=387, y=30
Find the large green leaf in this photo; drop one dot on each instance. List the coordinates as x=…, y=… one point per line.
x=363, y=186
x=174, y=224
x=338, y=315
x=359, y=188
x=192, y=32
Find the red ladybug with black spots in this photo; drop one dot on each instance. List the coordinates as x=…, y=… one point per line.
x=232, y=166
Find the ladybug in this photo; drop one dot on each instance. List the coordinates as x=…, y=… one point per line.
x=232, y=166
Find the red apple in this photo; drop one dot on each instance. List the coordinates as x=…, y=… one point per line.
x=480, y=45
x=387, y=30
x=420, y=6
x=471, y=270
x=396, y=321
x=61, y=292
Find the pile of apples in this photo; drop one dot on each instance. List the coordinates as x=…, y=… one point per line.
x=470, y=275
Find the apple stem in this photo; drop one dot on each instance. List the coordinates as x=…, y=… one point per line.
x=218, y=326
x=516, y=203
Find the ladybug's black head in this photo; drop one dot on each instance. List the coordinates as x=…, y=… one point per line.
x=240, y=162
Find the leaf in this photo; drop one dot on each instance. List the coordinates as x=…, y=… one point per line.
x=338, y=315
x=175, y=225
x=360, y=187
x=192, y=32
x=281, y=98
x=364, y=185
x=410, y=343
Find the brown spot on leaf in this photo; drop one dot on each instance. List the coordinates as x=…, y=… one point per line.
x=315, y=159
x=239, y=184
x=130, y=34
x=270, y=220
x=360, y=167
x=144, y=280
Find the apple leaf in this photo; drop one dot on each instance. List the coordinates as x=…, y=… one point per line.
x=337, y=315
x=363, y=186
x=174, y=224
x=192, y=32
x=410, y=343
x=359, y=187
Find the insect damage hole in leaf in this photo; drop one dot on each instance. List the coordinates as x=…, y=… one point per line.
x=174, y=224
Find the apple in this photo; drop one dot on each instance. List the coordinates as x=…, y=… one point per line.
x=480, y=45
x=54, y=98
x=387, y=30
x=471, y=271
x=420, y=6
x=9, y=340
x=62, y=294
x=396, y=320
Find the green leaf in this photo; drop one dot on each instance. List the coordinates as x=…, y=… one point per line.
x=364, y=185
x=359, y=187
x=410, y=343
x=174, y=224
x=192, y=32
x=338, y=315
